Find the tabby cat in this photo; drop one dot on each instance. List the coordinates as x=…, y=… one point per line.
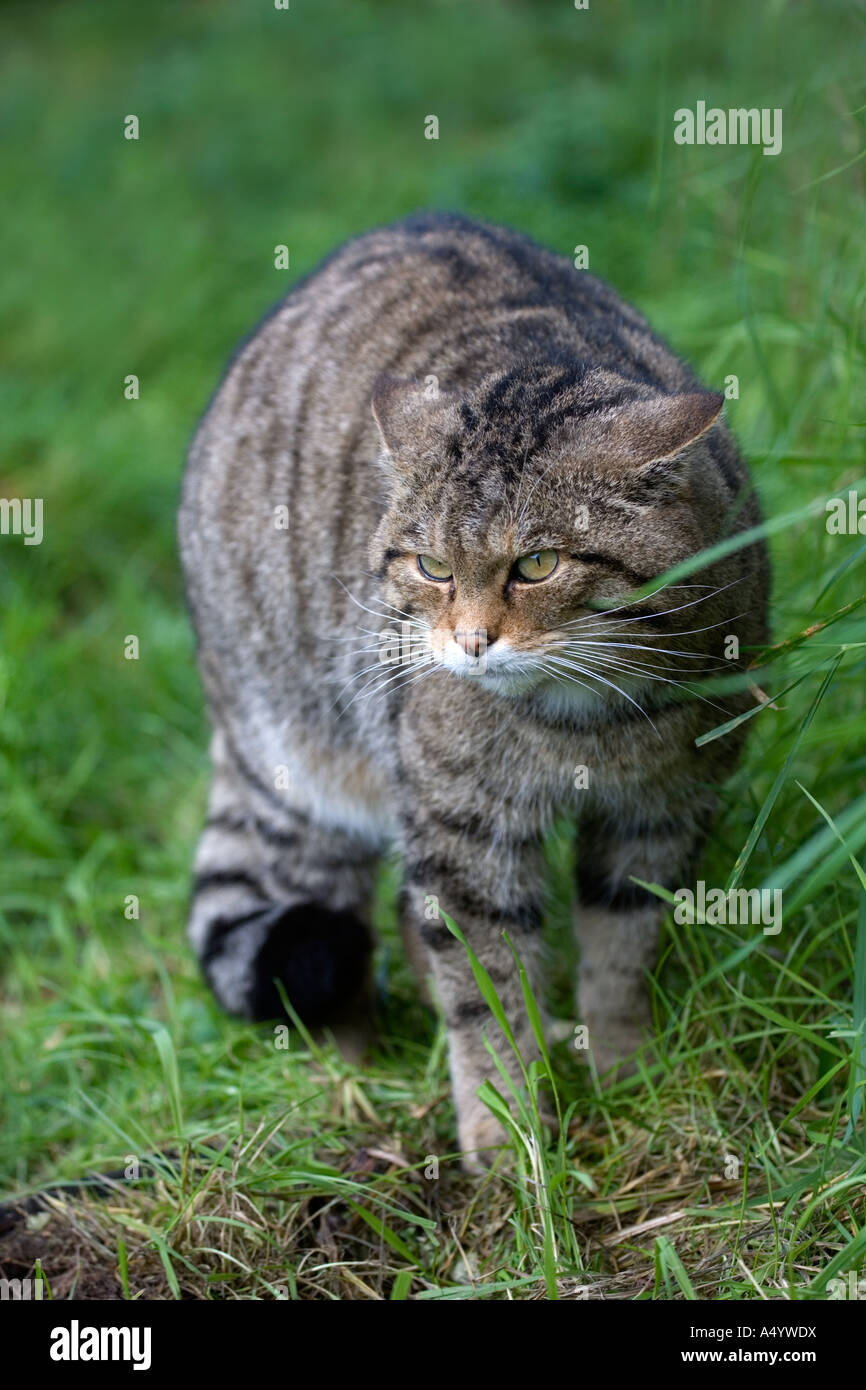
x=414, y=518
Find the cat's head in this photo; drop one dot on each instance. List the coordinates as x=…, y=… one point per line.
x=518, y=509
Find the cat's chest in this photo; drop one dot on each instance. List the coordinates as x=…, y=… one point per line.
x=553, y=754
x=535, y=759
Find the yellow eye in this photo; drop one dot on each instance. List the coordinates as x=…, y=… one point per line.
x=434, y=569
x=541, y=565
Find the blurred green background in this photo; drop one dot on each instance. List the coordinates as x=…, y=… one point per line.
x=154, y=256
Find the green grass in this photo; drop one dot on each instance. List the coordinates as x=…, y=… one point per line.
x=735, y=1167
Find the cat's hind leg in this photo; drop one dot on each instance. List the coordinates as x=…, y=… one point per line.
x=278, y=896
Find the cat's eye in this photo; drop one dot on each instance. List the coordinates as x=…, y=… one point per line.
x=540, y=565
x=432, y=568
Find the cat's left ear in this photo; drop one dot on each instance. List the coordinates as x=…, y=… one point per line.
x=657, y=431
x=415, y=418
x=649, y=436
x=646, y=438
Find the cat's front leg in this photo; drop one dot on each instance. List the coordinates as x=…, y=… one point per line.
x=617, y=921
x=489, y=882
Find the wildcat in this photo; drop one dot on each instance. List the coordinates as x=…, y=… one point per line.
x=411, y=521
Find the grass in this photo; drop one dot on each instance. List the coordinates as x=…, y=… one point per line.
x=735, y=1167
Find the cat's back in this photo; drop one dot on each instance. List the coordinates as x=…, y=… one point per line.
x=434, y=294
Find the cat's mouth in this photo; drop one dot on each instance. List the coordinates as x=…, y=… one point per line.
x=498, y=666
x=510, y=671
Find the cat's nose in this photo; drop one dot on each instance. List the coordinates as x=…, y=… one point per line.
x=474, y=641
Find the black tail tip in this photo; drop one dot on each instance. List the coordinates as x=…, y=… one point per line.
x=321, y=957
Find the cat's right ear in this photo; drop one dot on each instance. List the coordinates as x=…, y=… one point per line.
x=415, y=418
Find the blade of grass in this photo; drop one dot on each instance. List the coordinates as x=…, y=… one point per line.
x=763, y=815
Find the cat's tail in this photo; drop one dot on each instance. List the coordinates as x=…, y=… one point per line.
x=278, y=904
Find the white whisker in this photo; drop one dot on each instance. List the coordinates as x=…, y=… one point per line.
x=639, y=672
x=581, y=642
x=638, y=665
x=678, y=632
x=595, y=676
x=376, y=599
x=374, y=685
x=663, y=613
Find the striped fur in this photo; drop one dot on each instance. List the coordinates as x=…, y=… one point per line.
x=517, y=405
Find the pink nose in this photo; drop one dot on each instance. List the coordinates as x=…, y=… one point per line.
x=474, y=642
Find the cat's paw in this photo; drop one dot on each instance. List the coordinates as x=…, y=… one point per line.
x=614, y=1051
x=481, y=1137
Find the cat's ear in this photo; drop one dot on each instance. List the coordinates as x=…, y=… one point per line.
x=415, y=418
x=645, y=439
x=648, y=434
x=654, y=432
